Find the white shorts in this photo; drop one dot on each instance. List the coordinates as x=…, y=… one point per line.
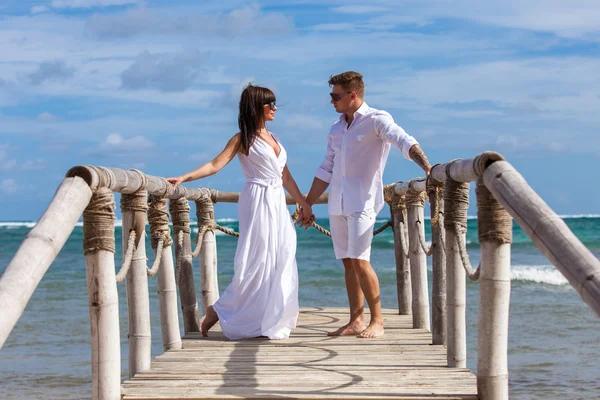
x=352, y=234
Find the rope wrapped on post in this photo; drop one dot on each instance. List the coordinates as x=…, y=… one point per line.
x=397, y=202
x=434, y=190
x=180, y=214
x=494, y=222
x=160, y=234
x=456, y=200
x=99, y=226
x=206, y=222
x=136, y=202
x=414, y=197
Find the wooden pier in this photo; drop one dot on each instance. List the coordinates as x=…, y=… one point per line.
x=310, y=365
x=423, y=353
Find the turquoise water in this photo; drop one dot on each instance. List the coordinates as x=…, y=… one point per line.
x=554, y=338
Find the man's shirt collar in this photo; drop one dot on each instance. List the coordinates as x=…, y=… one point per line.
x=362, y=110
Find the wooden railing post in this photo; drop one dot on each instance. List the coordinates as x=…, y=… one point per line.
x=134, y=207
x=38, y=251
x=180, y=215
x=403, y=287
x=415, y=202
x=438, y=263
x=103, y=301
x=209, y=282
x=167, y=288
x=455, y=207
x=495, y=236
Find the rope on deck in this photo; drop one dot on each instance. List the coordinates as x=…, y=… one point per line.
x=456, y=199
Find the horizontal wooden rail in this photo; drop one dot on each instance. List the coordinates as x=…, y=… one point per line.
x=130, y=181
x=39, y=249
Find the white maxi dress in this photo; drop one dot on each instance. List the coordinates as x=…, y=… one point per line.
x=262, y=298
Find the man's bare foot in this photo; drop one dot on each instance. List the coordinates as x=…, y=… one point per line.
x=375, y=329
x=352, y=328
x=209, y=320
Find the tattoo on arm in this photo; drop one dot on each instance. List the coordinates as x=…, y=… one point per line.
x=417, y=155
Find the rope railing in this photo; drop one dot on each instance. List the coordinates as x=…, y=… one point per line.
x=160, y=234
x=127, y=258
x=501, y=193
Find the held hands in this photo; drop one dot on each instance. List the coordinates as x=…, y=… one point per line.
x=306, y=216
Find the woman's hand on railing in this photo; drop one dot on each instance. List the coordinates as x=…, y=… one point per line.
x=177, y=181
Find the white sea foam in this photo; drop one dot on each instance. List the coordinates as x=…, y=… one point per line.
x=217, y=233
x=578, y=216
x=118, y=222
x=226, y=220
x=15, y=225
x=547, y=274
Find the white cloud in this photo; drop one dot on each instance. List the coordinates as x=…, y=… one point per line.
x=166, y=73
x=34, y=165
x=545, y=87
x=6, y=164
x=575, y=18
x=50, y=71
x=90, y=3
x=39, y=9
x=359, y=9
x=46, y=117
x=116, y=141
x=9, y=186
x=335, y=27
x=243, y=22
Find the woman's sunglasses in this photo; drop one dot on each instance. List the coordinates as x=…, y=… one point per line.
x=272, y=105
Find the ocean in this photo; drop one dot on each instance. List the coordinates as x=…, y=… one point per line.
x=554, y=338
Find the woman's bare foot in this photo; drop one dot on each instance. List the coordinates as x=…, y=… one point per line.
x=209, y=320
x=375, y=329
x=352, y=328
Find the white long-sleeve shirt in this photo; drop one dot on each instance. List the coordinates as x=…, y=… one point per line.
x=356, y=158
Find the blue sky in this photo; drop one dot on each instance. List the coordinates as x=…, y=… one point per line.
x=154, y=85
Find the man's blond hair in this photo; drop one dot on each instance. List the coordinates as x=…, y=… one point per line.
x=350, y=81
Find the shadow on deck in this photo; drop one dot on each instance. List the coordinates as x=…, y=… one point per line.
x=309, y=365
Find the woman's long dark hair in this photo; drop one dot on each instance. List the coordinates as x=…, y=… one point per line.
x=252, y=113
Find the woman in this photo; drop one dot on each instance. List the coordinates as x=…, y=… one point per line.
x=262, y=299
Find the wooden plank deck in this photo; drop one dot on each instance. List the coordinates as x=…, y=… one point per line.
x=309, y=365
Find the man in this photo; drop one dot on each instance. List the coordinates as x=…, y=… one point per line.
x=357, y=150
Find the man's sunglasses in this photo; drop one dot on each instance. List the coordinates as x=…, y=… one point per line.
x=272, y=105
x=337, y=97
